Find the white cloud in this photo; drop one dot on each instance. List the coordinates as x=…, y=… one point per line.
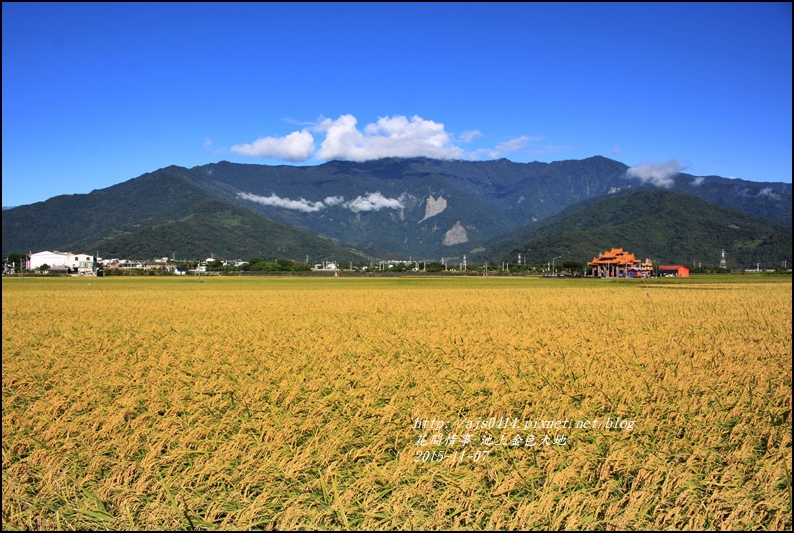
x=334, y=200
x=290, y=120
x=373, y=201
x=208, y=146
x=767, y=191
x=515, y=144
x=697, y=182
x=469, y=136
x=507, y=147
x=658, y=174
x=297, y=146
x=389, y=137
x=297, y=205
x=340, y=136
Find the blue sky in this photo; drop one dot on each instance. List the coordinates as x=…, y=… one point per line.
x=96, y=94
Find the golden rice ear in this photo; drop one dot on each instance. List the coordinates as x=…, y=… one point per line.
x=394, y=403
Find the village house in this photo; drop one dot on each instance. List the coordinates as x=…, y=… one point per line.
x=62, y=262
x=678, y=271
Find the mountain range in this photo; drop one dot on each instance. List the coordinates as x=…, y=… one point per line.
x=413, y=207
x=670, y=228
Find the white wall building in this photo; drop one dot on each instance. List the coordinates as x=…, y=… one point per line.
x=80, y=263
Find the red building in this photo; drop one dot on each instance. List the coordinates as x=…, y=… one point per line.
x=678, y=271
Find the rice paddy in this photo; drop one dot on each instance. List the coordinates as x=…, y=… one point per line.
x=399, y=403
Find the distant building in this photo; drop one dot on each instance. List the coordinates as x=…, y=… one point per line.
x=326, y=265
x=678, y=271
x=617, y=263
x=73, y=263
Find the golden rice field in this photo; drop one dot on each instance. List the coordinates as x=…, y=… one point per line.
x=400, y=403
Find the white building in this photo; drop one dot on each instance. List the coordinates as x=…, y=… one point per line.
x=80, y=263
x=326, y=265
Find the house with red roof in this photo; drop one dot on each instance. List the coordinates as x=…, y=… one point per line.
x=678, y=271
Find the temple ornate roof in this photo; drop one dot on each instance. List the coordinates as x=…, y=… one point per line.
x=615, y=256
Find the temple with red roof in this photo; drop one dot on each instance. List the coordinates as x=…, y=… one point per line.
x=618, y=263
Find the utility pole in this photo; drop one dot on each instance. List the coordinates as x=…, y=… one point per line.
x=553, y=273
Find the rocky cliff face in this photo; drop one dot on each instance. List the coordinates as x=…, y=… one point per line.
x=434, y=207
x=456, y=235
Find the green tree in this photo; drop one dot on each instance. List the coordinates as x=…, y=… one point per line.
x=434, y=267
x=18, y=260
x=216, y=265
x=286, y=265
x=573, y=267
